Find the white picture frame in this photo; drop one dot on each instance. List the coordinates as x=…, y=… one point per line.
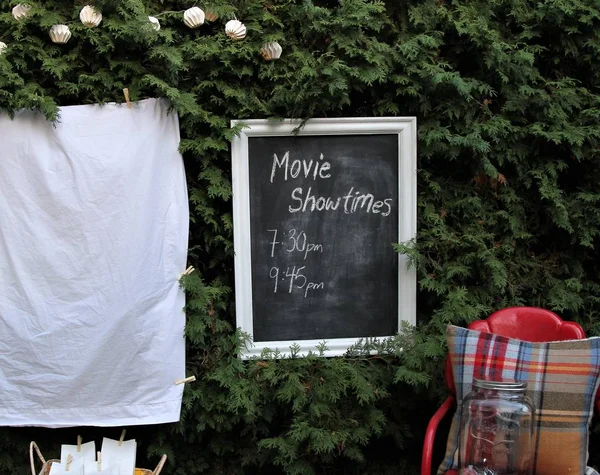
x=406, y=130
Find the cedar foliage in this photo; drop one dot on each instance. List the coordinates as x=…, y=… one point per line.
x=507, y=99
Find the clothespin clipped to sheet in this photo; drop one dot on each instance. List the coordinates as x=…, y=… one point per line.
x=190, y=379
x=187, y=272
x=99, y=459
x=79, y=441
x=126, y=94
x=69, y=462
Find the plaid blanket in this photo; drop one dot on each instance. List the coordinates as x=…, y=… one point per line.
x=562, y=382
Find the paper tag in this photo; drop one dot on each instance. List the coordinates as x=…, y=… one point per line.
x=87, y=454
x=75, y=468
x=123, y=456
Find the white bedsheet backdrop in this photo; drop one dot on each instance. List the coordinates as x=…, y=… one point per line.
x=93, y=237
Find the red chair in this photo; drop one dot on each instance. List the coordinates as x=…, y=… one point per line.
x=523, y=323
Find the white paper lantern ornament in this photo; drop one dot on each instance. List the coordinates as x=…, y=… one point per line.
x=3, y=47
x=90, y=17
x=21, y=11
x=271, y=50
x=193, y=17
x=60, y=34
x=235, y=29
x=154, y=22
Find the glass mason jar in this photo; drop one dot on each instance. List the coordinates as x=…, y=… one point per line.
x=496, y=430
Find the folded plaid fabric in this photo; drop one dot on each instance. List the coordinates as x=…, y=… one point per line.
x=562, y=380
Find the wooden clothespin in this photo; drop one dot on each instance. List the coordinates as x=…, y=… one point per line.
x=79, y=440
x=122, y=438
x=69, y=461
x=99, y=461
x=188, y=271
x=126, y=94
x=190, y=379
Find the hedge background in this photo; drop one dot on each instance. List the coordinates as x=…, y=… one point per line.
x=507, y=97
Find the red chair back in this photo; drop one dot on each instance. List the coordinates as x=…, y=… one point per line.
x=524, y=323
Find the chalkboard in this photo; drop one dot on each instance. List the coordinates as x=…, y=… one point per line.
x=315, y=217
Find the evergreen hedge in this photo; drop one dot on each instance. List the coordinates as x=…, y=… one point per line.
x=507, y=97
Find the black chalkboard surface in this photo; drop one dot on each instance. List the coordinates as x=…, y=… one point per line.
x=323, y=217
x=315, y=217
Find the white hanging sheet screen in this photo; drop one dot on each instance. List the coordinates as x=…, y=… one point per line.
x=93, y=237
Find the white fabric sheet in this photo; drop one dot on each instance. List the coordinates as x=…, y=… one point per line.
x=93, y=238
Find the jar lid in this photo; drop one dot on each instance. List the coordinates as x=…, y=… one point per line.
x=500, y=385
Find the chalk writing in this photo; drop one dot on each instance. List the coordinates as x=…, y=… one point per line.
x=297, y=280
x=297, y=241
x=304, y=200
x=308, y=169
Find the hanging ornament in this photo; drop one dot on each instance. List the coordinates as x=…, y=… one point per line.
x=60, y=34
x=89, y=16
x=154, y=22
x=3, y=47
x=21, y=11
x=271, y=50
x=210, y=16
x=235, y=29
x=193, y=17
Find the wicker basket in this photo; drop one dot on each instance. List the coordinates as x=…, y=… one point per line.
x=46, y=464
